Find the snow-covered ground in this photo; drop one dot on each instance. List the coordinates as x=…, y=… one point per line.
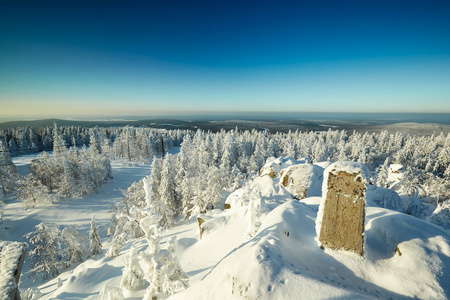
x=264, y=247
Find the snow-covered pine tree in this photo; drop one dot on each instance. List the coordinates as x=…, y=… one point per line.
x=8, y=171
x=174, y=278
x=45, y=253
x=383, y=172
x=76, y=244
x=164, y=272
x=155, y=177
x=95, y=247
x=236, y=179
x=167, y=187
x=43, y=169
x=59, y=145
x=133, y=275
x=213, y=189
x=156, y=205
x=94, y=145
x=149, y=225
x=116, y=245
x=442, y=162
x=32, y=193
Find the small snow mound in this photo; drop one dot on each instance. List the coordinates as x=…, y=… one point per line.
x=31, y=293
x=89, y=277
x=385, y=198
x=111, y=293
x=441, y=215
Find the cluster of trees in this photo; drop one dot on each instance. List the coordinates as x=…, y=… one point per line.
x=118, y=142
x=25, y=140
x=137, y=216
x=81, y=158
x=191, y=181
x=53, y=250
x=69, y=172
x=8, y=172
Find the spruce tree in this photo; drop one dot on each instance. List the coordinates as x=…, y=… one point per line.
x=45, y=253
x=133, y=275
x=95, y=247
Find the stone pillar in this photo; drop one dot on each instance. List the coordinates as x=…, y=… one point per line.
x=343, y=210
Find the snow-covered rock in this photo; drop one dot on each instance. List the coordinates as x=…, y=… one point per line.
x=273, y=166
x=302, y=180
x=395, y=168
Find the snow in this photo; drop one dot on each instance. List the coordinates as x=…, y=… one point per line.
x=387, y=198
x=283, y=261
x=303, y=180
x=395, y=168
x=279, y=260
x=441, y=215
x=274, y=165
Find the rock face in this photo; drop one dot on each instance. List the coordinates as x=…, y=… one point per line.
x=342, y=223
x=303, y=180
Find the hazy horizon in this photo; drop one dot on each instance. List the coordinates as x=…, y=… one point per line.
x=384, y=118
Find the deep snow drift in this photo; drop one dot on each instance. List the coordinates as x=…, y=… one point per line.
x=265, y=247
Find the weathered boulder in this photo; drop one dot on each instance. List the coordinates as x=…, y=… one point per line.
x=340, y=220
x=302, y=180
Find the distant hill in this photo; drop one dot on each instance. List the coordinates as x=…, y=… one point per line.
x=268, y=125
x=35, y=124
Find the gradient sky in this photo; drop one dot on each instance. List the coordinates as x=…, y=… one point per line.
x=144, y=57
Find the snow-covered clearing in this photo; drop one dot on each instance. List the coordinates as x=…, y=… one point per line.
x=264, y=247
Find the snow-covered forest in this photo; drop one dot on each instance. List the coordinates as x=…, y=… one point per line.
x=209, y=162
x=190, y=174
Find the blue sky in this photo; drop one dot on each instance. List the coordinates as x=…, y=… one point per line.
x=72, y=58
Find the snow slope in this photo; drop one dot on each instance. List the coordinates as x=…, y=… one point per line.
x=281, y=260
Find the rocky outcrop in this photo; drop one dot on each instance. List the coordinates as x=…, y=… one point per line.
x=302, y=180
x=343, y=207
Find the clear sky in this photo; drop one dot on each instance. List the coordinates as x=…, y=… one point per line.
x=145, y=57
